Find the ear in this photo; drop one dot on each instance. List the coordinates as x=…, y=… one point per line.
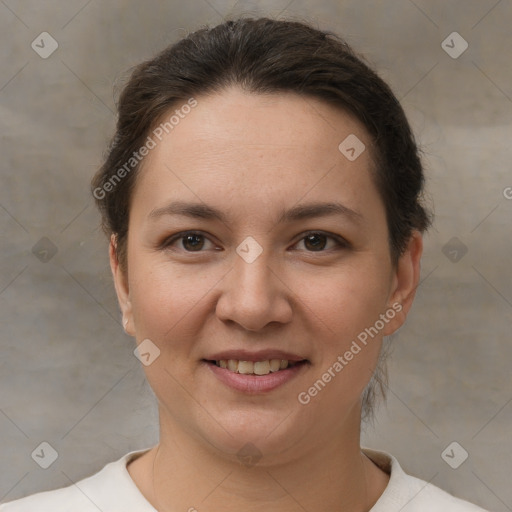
x=404, y=283
x=122, y=289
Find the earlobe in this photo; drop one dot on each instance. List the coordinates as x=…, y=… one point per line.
x=405, y=282
x=121, y=286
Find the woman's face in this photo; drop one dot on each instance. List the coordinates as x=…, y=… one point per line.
x=269, y=273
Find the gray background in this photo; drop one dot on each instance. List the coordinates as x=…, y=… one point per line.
x=67, y=373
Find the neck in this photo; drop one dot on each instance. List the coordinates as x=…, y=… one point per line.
x=181, y=474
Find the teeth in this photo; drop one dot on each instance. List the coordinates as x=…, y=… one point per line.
x=262, y=367
x=245, y=367
x=254, y=368
x=275, y=364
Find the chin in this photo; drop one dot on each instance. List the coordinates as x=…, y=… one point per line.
x=255, y=433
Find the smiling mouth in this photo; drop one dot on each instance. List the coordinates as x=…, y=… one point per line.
x=256, y=367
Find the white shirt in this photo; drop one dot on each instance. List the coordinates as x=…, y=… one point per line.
x=113, y=490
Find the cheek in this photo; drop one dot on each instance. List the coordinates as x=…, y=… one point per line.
x=345, y=308
x=160, y=297
x=345, y=311
x=168, y=306
x=345, y=303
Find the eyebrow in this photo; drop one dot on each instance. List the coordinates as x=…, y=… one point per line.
x=299, y=212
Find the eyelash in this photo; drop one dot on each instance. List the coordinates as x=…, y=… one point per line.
x=341, y=242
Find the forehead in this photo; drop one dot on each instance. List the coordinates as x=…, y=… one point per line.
x=233, y=118
x=258, y=149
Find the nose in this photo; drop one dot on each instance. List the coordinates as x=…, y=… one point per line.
x=254, y=295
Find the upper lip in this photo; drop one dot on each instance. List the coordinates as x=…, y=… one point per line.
x=261, y=355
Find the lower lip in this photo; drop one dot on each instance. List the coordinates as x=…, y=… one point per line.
x=255, y=383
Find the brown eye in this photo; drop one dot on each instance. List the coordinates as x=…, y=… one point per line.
x=193, y=242
x=315, y=242
x=190, y=242
x=318, y=242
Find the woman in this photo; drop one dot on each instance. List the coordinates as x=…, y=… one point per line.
x=263, y=200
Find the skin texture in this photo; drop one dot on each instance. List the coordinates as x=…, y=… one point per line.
x=253, y=156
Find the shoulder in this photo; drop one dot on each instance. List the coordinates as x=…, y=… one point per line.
x=410, y=494
x=423, y=496
x=59, y=500
x=97, y=492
